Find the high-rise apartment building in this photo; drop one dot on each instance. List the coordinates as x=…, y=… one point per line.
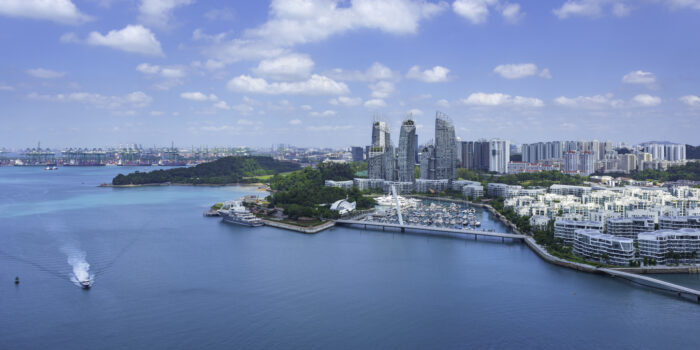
x=499, y=155
x=406, y=151
x=445, y=148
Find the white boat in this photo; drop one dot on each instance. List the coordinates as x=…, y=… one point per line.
x=233, y=212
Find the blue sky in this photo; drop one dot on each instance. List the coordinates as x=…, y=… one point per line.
x=315, y=72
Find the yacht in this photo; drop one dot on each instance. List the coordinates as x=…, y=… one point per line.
x=233, y=212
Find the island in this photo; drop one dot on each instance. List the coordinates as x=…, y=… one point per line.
x=227, y=170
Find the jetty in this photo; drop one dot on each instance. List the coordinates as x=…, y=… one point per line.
x=404, y=227
x=657, y=283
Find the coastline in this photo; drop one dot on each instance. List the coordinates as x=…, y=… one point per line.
x=544, y=255
x=308, y=230
x=256, y=184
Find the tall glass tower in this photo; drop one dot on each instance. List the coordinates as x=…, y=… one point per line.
x=445, y=148
x=407, y=146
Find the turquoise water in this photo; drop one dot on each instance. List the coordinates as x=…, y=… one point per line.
x=168, y=278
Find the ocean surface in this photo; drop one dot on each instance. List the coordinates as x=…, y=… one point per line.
x=165, y=277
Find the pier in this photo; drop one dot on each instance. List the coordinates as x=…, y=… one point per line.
x=657, y=282
x=405, y=227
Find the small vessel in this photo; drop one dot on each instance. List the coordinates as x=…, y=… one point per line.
x=233, y=212
x=85, y=284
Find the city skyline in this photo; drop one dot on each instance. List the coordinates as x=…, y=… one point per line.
x=150, y=72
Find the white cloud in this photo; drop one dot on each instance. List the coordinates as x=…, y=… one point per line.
x=60, y=11
x=375, y=103
x=5, y=87
x=158, y=13
x=292, y=66
x=437, y=74
x=382, y=89
x=295, y=122
x=680, y=4
x=346, y=101
x=415, y=112
x=511, y=13
x=499, y=99
x=132, y=38
x=304, y=21
x=592, y=8
x=306, y=107
x=315, y=85
x=198, y=96
x=639, y=77
x=135, y=99
x=545, y=74
x=516, y=71
x=245, y=122
x=45, y=73
x=593, y=102
x=691, y=100
x=209, y=64
x=645, y=100
x=620, y=9
x=243, y=108
x=375, y=72
x=168, y=72
x=328, y=127
x=222, y=105
x=443, y=103
x=326, y=113
x=477, y=11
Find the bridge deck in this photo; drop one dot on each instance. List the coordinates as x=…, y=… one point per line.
x=665, y=284
x=430, y=228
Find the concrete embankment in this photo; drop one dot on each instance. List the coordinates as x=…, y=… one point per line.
x=311, y=229
x=542, y=252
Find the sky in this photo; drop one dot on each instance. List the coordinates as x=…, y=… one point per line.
x=96, y=73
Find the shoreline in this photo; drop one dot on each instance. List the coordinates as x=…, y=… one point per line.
x=256, y=184
x=544, y=255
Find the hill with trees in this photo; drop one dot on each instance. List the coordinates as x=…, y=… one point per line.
x=219, y=172
x=303, y=192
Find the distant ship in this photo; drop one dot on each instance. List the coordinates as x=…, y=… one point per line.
x=233, y=212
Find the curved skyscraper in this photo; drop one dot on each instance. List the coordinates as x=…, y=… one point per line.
x=445, y=148
x=407, y=146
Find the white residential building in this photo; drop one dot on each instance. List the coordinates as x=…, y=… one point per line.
x=664, y=246
x=678, y=222
x=565, y=229
x=341, y=184
x=608, y=249
x=629, y=227
x=503, y=190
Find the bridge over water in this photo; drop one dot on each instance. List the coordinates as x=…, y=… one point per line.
x=655, y=282
x=405, y=227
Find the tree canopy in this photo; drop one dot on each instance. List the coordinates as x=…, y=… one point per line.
x=222, y=171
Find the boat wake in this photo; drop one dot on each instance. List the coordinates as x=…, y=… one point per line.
x=81, y=275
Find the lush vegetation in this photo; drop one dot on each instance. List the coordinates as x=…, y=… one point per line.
x=690, y=171
x=692, y=152
x=222, y=171
x=303, y=194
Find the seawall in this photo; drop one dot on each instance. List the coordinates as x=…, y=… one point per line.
x=312, y=229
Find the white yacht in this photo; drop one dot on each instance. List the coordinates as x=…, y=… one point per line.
x=233, y=212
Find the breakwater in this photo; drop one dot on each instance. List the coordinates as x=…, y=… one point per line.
x=310, y=229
